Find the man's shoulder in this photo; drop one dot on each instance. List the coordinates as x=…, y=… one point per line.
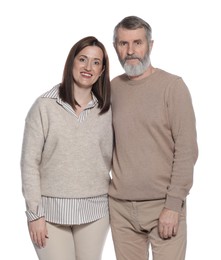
x=167, y=74
x=121, y=77
x=120, y=80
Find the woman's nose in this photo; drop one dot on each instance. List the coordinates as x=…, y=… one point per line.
x=88, y=65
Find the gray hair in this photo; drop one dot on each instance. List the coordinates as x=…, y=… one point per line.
x=133, y=23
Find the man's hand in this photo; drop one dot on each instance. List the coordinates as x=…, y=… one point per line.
x=38, y=232
x=168, y=223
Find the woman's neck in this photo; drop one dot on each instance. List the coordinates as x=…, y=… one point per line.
x=82, y=97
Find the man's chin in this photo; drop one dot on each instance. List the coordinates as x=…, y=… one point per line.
x=133, y=71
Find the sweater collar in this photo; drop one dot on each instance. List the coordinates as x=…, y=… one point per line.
x=54, y=94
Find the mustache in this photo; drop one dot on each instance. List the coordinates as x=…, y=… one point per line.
x=131, y=57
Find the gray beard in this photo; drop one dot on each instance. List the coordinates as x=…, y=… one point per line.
x=136, y=70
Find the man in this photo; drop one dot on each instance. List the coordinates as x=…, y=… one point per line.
x=155, y=151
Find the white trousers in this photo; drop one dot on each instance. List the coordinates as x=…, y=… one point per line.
x=77, y=242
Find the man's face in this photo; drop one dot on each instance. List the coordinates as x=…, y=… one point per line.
x=133, y=50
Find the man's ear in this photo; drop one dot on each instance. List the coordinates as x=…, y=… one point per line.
x=151, y=45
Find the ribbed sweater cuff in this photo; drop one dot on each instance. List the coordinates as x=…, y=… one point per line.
x=174, y=204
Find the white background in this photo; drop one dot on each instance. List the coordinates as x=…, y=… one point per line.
x=36, y=37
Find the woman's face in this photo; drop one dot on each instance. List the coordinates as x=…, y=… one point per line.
x=88, y=66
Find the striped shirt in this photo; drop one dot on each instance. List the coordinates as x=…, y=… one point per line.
x=69, y=211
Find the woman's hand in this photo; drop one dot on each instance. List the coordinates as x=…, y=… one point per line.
x=38, y=232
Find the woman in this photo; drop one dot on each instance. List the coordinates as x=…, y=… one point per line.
x=66, y=158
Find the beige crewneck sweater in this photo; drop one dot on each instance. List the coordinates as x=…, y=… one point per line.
x=155, y=139
x=64, y=158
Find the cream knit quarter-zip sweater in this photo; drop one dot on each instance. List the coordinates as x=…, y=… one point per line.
x=62, y=158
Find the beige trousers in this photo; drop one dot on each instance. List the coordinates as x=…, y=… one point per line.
x=134, y=227
x=77, y=242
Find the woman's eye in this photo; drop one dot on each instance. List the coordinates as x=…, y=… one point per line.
x=97, y=63
x=82, y=59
